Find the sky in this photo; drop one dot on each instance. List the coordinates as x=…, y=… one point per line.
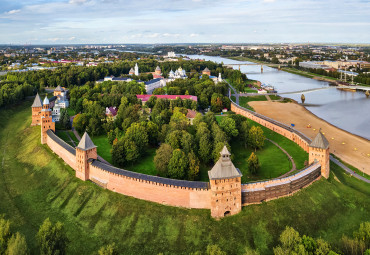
x=184, y=21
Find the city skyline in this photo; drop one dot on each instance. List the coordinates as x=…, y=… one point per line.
x=197, y=21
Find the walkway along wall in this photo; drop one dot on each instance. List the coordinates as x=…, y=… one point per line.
x=302, y=140
x=192, y=194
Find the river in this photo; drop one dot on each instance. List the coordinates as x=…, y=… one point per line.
x=344, y=109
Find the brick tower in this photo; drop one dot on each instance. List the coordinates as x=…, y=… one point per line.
x=36, y=111
x=226, y=193
x=319, y=150
x=46, y=120
x=206, y=71
x=158, y=71
x=84, y=151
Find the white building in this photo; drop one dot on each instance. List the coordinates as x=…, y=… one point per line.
x=178, y=74
x=61, y=101
x=171, y=54
x=153, y=84
x=136, y=70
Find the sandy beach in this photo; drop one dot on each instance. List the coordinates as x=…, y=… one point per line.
x=350, y=148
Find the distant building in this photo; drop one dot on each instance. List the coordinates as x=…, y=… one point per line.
x=206, y=71
x=136, y=70
x=155, y=83
x=171, y=54
x=111, y=111
x=178, y=74
x=145, y=98
x=118, y=79
x=131, y=72
x=190, y=115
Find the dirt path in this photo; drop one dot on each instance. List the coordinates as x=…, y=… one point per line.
x=350, y=148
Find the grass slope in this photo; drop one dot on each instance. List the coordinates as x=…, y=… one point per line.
x=36, y=184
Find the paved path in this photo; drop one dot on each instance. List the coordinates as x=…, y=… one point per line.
x=290, y=158
x=99, y=158
x=348, y=170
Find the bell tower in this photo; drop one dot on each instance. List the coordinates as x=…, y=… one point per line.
x=319, y=151
x=46, y=120
x=85, y=150
x=36, y=111
x=225, y=182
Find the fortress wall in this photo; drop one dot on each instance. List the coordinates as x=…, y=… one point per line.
x=151, y=191
x=62, y=149
x=275, y=126
x=263, y=191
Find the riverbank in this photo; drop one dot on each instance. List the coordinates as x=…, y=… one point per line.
x=350, y=148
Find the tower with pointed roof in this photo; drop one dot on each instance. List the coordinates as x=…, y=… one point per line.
x=319, y=151
x=206, y=71
x=225, y=182
x=132, y=71
x=58, y=91
x=85, y=151
x=36, y=111
x=158, y=71
x=136, y=70
x=46, y=120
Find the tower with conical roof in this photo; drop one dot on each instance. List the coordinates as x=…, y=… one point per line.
x=158, y=71
x=225, y=182
x=46, y=120
x=206, y=71
x=36, y=111
x=319, y=151
x=85, y=150
x=58, y=90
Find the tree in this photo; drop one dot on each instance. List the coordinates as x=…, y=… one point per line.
x=137, y=134
x=216, y=102
x=303, y=98
x=244, y=132
x=118, y=153
x=214, y=250
x=132, y=152
x=162, y=158
x=193, y=167
x=80, y=122
x=110, y=249
x=229, y=126
x=177, y=165
x=151, y=102
x=17, y=245
x=256, y=138
x=363, y=233
x=253, y=163
x=159, y=91
x=5, y=234
x=52, y=239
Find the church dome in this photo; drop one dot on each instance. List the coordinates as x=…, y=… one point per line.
x=46, y=100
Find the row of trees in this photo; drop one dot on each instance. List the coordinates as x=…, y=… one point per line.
x=292, y=243
x=51, y=238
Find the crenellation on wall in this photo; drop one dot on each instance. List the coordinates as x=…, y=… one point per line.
x=224, y=194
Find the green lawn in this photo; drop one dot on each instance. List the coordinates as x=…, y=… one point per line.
x=243, y=101
x=274, y=97
x=72, y=135
x=104, y=148
x=63, y=134
x=272, y=160
x=145, y=164
x=250, y=90
x=70, y=111
x=36, y=184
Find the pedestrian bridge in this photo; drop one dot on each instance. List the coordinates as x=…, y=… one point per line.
x=363, y=88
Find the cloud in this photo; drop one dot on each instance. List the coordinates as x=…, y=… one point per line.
x=194, y=35
x=13, y=11
x=77, y=1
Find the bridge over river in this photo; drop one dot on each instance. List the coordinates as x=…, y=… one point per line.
x=255, y=64
x=363, y=88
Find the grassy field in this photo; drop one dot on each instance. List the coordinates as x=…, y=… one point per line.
x=243, y=101
x=36, y=184
x=104, y=148
x=274, y=97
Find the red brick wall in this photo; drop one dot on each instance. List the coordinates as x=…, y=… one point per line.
x=68, y=157
x=155, y=192
x=282, y=131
